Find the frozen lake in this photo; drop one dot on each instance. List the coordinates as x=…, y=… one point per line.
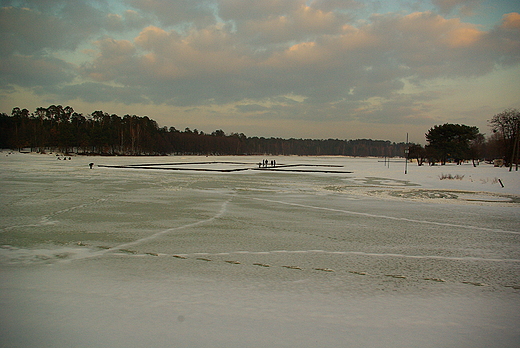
x=215, y=251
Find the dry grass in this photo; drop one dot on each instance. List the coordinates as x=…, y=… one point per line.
x=451, y=177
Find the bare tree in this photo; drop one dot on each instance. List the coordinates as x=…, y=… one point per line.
x=507, y=125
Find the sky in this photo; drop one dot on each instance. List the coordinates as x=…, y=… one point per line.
x=320, y=69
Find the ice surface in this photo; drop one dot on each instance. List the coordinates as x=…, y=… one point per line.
x=317, y=251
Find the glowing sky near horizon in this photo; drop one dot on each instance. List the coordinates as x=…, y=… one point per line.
x=284, y=68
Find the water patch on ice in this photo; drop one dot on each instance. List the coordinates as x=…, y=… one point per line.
x=451, y=195
x=377, y=181
x=428, y=194
x=369, y=182
x=476, y=197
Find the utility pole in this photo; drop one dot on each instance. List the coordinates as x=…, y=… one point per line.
x=514, y=156
x=406, y=152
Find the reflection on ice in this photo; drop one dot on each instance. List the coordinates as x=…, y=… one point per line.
x=362, y=256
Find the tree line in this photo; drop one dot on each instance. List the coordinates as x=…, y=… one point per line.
x=64, y=130
x=458, y=143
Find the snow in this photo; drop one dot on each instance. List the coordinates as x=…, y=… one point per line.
x=189, y=251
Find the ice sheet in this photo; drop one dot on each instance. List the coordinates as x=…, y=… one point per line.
x=132, y=256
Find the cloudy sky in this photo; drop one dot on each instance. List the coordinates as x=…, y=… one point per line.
x=285, y=68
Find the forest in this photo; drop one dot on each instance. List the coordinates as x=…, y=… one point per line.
x=61, y=129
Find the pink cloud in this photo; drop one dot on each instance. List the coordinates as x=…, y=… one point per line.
x=511, y=21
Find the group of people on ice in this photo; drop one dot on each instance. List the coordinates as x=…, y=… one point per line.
x=266, y=163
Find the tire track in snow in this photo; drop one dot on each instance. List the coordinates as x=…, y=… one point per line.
x=445, y=224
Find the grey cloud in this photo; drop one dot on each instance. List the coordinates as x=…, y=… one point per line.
x=250, y=108
x=266, y=52
x=370, y=61
x=465, y=7
x=239, y=10
x=97, y=93
x=28, y=31
x=503, y=40
x=267, y=24
x=40, y=5
x=116, y=62
x=175, y=12
x=315, y=112
x=128, y=21
x=432, y=46
x=29, y=71
x=331, y=5
x=400, y=109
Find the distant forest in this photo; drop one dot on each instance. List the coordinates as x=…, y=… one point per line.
x=61, y=129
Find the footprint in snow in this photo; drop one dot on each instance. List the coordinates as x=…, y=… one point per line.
x=261, y=264
x=203, y=259
x=358, y=273
x=324, y=269
x=474, y=283
x=232, y=262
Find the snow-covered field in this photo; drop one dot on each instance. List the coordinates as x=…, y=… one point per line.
x=217, y=252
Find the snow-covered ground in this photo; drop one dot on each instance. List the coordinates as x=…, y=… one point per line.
x=215, y=251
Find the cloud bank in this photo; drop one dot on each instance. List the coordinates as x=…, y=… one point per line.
x=270, y=60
